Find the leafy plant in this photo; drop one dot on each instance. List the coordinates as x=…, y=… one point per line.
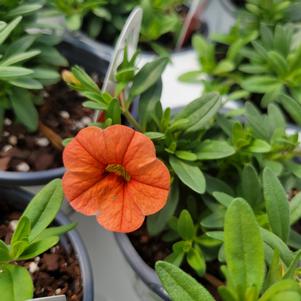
x=28, y=61
x=248, y=276
x=105, y=19
x=32, y=237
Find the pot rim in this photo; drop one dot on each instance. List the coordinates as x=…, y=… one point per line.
x=73, y=237
x=144, y=271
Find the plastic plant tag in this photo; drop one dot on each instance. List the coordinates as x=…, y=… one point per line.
x=53, y=298
x=129, y=37
x=196, y=7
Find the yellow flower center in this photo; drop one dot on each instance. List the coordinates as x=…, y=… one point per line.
x=118, y=170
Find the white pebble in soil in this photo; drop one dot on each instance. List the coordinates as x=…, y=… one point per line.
x=23, y=166
x=7, y=121
x=79, y=125
x=13, y=140
x=6, y=148
x=37, y=259
x=86, y=120
x=5, y=134
x=42, y=141
x=33, y=267
x=58, y=291
x=13, y=224
x=64, y=114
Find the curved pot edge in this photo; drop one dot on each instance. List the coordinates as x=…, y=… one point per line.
x=146, y=273
x=74, y=239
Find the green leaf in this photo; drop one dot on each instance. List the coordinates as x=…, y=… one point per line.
x=292, y=269
x=148, y=75
x=196, y=260
x=260, y=84
x=27, y=83
x=8, y=29
x=251, y=186
x=179, y=285
x=292, y=107
x=19, y=57
x=148, y=102
x=244, y=249
x=95, y=105
x=154, y=135
x=22, y=10
x=200, y=111
x=185, y=226
x=278, y=287
x=295, y=208
x=55, y=231
x=276, y=204
x=214, y=149
x=85, y=79
x=189, y=174
x=8, y=72
x=186, y=155
x=223, y=198
x=15, y=283
x=4, y=252
x=44, y=207
x=24, y=108
x=114, y=111
x=273, y=241
x=259, y=146
x=50, y=55
x=39, y=247
x=22, y=231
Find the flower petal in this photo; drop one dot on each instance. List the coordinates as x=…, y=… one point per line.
x=121, y=215
x=141, y=151
x=154, y=173
x=117, y=139
x=149, y=199
x=81, y=190
x=88, y=142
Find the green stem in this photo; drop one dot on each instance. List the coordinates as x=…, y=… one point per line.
x=130, y=118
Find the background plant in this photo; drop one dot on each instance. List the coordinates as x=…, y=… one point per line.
x=257, y=60
x=105, y=19
x=29, y=60
x=32, y=237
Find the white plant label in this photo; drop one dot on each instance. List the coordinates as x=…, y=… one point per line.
x=53, y=298
x=129, y=38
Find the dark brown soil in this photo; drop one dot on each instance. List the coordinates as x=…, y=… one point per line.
x=54, y=272
x=61, y=116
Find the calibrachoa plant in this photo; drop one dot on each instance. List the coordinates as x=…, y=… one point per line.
x=212, y=158
x=32, y=237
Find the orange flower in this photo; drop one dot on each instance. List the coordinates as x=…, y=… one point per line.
x=114, y=174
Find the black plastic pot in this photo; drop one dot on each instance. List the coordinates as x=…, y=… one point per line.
x=232, y=6
x=77, y=53
x=20, y=198
x=144, y=271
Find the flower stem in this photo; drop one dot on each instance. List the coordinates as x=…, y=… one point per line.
x=130, y=118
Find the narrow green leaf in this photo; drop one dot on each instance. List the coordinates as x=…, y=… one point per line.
x=44, y=207
x=22, y=231
x=8, y=72
x=214, y=149
x=39, y=247
x=189, y=174
x=8, y=29
x=244, y=249
x=185, y=226
x=55, y=231
x=148, y=75
x=179, y=285
x=295, y=208
x=276, y=204
x=19, y=57
x=15, y=283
